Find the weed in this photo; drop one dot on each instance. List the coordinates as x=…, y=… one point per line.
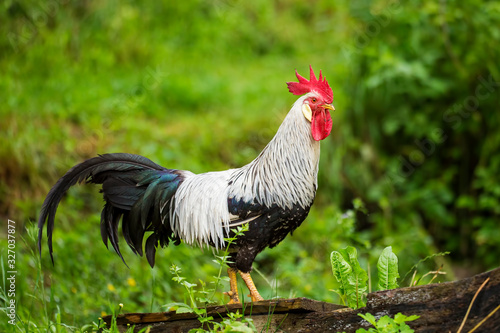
x=354, y=280
x=235, y=322
x=113, y=327
x=387, y=270
x=387, y=324
x=414, y=267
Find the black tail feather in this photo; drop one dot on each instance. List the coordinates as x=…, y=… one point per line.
x=134, y=189
x=151, y=245
x=110, y=219
x=135, y=229
x=104, y=228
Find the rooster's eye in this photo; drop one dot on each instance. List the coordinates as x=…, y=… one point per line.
x=314, y=100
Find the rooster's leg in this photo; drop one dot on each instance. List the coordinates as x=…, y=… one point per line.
x=254, y=294
x=233, y=293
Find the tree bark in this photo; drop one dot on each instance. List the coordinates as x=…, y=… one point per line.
x=441, y=307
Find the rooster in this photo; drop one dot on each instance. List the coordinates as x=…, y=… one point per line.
x=272, y=194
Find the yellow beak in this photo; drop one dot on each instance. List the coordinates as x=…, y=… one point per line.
x=328, y=106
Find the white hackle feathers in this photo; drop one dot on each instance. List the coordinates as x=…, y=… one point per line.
x=284, y=174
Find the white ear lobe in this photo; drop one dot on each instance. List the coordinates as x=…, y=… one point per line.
x=306, y=110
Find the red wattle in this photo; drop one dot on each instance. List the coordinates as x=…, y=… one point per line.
x=321, y=124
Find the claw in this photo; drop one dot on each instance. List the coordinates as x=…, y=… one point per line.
x=234, y=299
x=233, y=293
x=256, y=298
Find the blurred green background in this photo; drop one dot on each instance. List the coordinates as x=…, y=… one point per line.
x=412, y=161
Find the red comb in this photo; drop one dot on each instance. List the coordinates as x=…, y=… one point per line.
x=304, y=86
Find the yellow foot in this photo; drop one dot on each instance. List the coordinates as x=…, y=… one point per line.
x=233, y=293
x=254, y=294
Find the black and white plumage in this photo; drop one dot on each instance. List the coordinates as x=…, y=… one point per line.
x=272, y=194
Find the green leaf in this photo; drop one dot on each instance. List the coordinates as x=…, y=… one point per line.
x=200, y=312
x=203, y=299
x=184, y=310
x=405, y=329
x=387, y=324
x=179, y=307
x=174, y=269
x=189, y=285
x=359, y=278
x=237, y=326
x=369, y=318
x=353, y=279
x=341, y=270
x=401, y=318
x=178, y=279
x=203, y=320
x=387, y=270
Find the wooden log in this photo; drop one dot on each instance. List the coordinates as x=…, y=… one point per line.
x=441, y=308
x=260, y=312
